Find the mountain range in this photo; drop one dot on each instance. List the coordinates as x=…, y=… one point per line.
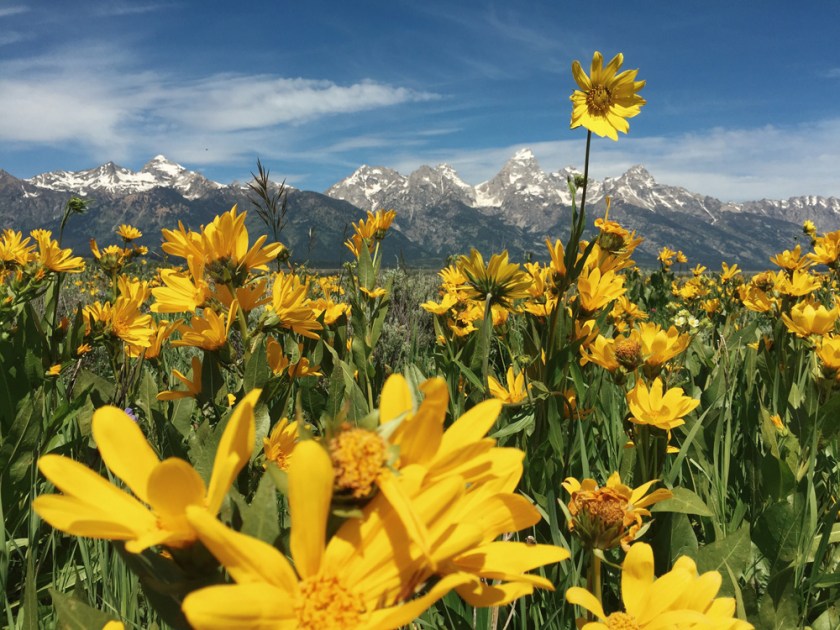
x=438, y=214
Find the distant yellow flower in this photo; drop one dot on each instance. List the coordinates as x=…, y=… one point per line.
x=666, y=256
x=796, y=283
x=610, y=515
x=809, y=228
x=92, y=506
x=193, y=385
x=54, y=370
x=655, y=408
x=826, y=249
x=280, y=443
x=681, y=598
x=511, y=393
x=122, y=319
x=791, y=259
x=128, y=233
x=447, y=301
x=83, y=349
x=728, y=273
x=605, y=99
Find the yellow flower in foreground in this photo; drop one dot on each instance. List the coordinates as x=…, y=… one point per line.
x=92, y=506
x=660, y=346
x=52, y=257
x=810, y=318
x=682, y=598
x=597, y=289
x=291, y=307
x=209, y=331
x=652, y=407
x=511, y=393
x=500, y=280
x=605, y=99
x=606, y=516
x=333, y=585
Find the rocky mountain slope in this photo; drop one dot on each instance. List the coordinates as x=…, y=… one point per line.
x=438, y=214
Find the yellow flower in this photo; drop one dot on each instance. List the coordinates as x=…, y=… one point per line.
x=447, y=301
x=248, y=297
x=515, y=390
x=728, y=273
x=280, y=444
x=332, y=585
x=828, y=352
x=682, y=598
x=602, y=352
x=826, y=249
x=182, y=292
x=606, y=516
x=52, y=257
x=810, y=318
x=652, y=407
x=14, y=249
x=291, y=307
x=791, y=259
x=54, y=370
x=500, y=280
x=128, y=233
x=91, y=506
x=666, y=256
x=373, y=293
x=605, y=99
x=193, y=385
x=122, y=319
x=660, y=346
x=209, y=331
x=597, y=289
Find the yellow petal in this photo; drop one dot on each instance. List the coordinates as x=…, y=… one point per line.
x=636, y=577
x=80, y=482
x=484, y=595
x=124, y=448
x=173, y=485
x=234, y=450
x=78, y=518
x=414, y=527
x=400, y=615
x=248, y=560
x=239, y=607
x=310, y=492
x=585, y=599
x=470, y=427
x=396, y=399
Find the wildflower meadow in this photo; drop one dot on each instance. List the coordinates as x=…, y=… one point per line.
x=228, y=439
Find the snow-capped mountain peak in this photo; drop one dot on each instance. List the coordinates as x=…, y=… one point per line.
x=115, y=179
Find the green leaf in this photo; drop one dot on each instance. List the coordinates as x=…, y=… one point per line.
x=732, y=554
x=829, y=620
x=18, y=446
x=74, y=614
x=684, y=501
x=777, y=532
x=523, y=424
x=30, y=596
x=261, y=518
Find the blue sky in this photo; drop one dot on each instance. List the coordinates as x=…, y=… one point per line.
x=742, y=96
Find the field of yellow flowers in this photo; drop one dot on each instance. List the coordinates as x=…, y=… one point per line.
x=219, y=442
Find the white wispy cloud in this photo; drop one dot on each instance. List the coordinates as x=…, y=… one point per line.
x=93, y=96
x=13, y=10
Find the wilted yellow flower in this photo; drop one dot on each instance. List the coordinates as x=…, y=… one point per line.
x=610, y=515
x=681, y=598
x=605, y=99
x=655, y=408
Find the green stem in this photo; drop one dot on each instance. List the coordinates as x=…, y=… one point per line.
x=593, y=577
x=486, y=331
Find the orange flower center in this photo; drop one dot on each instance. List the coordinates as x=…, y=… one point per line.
x=598, y=100
x=607, y=508
x=325, y=604
x=622, y=621
x=358, y=457
x=628, y=352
